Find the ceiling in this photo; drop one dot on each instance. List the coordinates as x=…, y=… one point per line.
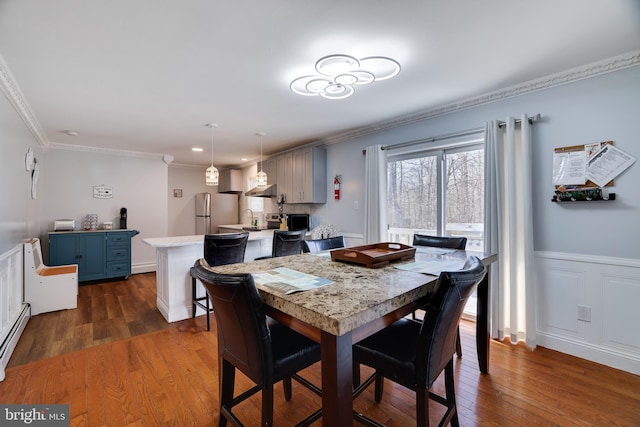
x=147, y=75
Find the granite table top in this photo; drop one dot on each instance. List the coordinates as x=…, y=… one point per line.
x=358, y=295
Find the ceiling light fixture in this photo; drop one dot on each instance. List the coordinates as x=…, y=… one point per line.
x=212, y=173
x=262, y=177
x=197, y=149
x=338, y=74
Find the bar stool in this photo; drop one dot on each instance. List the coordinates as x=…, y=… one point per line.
x=219, y=249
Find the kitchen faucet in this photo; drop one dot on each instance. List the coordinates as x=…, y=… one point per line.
x=251, y=223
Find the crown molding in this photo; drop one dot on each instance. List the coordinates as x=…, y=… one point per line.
x=12, y=91
x=605, y=66
x=99, y=150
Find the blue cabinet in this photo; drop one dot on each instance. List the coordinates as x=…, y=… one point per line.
x=99, y=254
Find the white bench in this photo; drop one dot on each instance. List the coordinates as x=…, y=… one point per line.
x=48, y=288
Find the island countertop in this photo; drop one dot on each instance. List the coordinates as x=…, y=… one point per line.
x=165, y=242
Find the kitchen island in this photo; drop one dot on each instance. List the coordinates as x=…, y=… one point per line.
x=176, y=255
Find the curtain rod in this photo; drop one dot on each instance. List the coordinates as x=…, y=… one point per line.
x=532, y=120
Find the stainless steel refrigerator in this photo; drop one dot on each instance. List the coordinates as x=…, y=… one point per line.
x=203, y=213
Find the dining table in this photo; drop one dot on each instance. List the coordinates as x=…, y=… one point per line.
x=349, y=302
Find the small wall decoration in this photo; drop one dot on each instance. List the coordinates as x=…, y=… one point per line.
x=177, y=192
x=102, y=192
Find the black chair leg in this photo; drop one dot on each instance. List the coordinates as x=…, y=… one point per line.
x=286, y=384
x=458, y=344
x=267, y=405
x=379, y=388
x=193, y=297
x=209, y=313
x=422, y=407
x=227, y=377
x=452, y=410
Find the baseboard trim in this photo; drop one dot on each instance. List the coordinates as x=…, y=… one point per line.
x=594, y=353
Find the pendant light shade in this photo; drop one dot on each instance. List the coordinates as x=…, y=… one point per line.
x=262, y=177
x=212, y=173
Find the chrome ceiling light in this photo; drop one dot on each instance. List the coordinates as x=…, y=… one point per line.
x=338, y=74
x=262, y=176
x=212, y=173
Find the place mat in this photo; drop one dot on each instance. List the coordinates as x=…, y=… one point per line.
x=288, y=281
x=432, y=266
x=433, y=250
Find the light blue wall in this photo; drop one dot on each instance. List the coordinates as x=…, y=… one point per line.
x=591, y=110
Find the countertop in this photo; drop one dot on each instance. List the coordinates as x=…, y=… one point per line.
x=166, y=242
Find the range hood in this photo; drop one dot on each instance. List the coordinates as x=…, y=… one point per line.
x=268, y=191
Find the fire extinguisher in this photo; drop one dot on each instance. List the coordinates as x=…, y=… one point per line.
x=336, y=187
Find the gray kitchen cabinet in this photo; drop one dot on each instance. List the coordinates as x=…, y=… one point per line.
x=284, y=176
x=99, y=254
x=270, y=167
x=230, y=181
x=309, y=175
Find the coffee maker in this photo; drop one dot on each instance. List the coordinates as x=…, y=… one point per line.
x=123, y=218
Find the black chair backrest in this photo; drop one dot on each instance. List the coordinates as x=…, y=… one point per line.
x=437, y=342
x=287, y=242
x=318, y=245
x=243, y=334
x=222, y=249
x=440, y=242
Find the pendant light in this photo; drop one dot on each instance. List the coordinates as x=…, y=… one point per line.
x=212, y=173
x=262, y=177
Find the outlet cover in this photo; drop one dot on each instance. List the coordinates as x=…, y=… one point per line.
x=584, y=313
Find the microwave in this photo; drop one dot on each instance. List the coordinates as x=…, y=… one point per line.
x=297, y=222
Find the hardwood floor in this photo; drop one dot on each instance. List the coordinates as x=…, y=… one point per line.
x=169, y=377
x=107, y=312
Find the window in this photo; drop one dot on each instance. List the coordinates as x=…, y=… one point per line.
x=437, y=191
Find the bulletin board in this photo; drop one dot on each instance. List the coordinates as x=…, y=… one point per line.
x=584, y=172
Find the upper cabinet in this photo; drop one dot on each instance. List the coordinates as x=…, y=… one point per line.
x=302, y=175
x=230, y=181
x=270, y=167
x=284, y=175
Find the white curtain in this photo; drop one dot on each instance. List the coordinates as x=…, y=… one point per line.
x=375, y=195
x=509, y=230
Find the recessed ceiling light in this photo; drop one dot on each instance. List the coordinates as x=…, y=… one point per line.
x=198, y=149
x=70, y=132
x=244, y=159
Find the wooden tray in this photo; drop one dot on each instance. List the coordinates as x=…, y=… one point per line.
x=374, y=256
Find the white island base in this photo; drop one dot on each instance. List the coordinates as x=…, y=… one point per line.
x=176, y=255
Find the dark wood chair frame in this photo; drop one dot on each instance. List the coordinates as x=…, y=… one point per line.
x=441, y=242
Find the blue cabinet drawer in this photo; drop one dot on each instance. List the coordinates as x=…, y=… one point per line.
x=118, y=238
x=118, y=253
x=118, y=269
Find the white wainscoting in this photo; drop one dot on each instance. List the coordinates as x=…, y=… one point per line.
x=14, y=312
x=607, y=287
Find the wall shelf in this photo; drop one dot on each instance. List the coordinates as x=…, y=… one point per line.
x=556, y=198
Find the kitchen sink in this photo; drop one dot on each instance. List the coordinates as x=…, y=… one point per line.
x=247, y=228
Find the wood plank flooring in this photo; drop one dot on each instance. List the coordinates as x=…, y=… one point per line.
x=107, y=312
x=169, y=377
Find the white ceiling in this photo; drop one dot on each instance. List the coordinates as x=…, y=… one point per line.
x=147, y=75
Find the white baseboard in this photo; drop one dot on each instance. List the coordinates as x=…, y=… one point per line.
x=605, y=356
x=143, y=268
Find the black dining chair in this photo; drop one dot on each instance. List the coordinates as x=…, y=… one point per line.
x=219, y=249
x=441, y=242
x=318, y=245
x=286, y=243
x=261, y=348
x=414, y=354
